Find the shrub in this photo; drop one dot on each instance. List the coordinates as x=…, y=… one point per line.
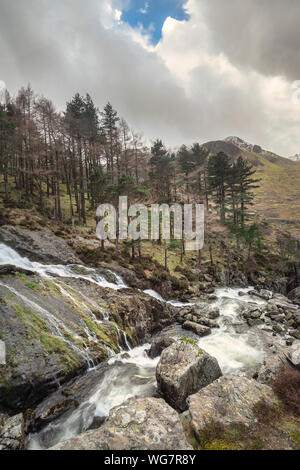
x=287, y=388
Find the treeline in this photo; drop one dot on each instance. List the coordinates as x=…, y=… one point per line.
x=87, y=157
x=88, y=151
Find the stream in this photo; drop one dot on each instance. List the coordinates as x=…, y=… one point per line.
x=132, y=373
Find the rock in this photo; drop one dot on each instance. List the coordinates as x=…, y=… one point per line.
x=10, y=269
x=59, y=337
x=278, y=329
x=293, y=356
x=41, y=245
x=294, y=295
x=230, y=400
x=12, y=433
x=200, y=330
x=295, y=333
x=271, y=367
x=138, y=424
x=184, y=369
x=214, y=314
x=286, y=358
x=158, y=345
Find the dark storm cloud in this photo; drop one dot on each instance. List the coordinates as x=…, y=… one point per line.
x=66, y=46
x=261, y=34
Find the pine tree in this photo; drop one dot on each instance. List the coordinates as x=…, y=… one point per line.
x=110, y=131
x=218, y=168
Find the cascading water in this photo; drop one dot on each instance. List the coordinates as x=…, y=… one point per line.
x=10, y=256
x=129, y=375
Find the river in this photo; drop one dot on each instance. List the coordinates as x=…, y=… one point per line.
x=132, y=373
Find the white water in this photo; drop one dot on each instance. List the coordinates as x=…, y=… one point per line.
x=10, y=256
x=174, y=303
x=126, y=377
x=232, y=350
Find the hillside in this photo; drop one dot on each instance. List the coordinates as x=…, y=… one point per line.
x=278, y=197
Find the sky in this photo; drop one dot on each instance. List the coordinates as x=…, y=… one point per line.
x=181, y=70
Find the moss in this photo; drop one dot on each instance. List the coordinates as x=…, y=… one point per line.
x=33, y=286
x=21, y=276
x=294, y=434
x=102, y=333
x=190, y=341
x=220, y=444
x=52, y=288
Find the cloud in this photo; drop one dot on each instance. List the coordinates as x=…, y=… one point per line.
x=258, y=34
x=190, y=87
x=145, y=9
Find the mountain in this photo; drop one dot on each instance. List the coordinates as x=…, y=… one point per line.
x=278, y=197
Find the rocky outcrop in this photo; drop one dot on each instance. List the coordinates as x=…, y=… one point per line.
x=278, y=315
x=41, y=245
x=55, y=329
x=199, y=318
x=184, y=369
x=138, y=424
x=12, y=433
x=230, y=400
x=158, y=345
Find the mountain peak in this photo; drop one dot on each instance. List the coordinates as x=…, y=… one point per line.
x=242, y=144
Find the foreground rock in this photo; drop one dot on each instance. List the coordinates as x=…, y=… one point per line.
x=138, y=424
x=230, y=400
x=184, y=369
x=287, y=358
x=12, y=433
x=158, y=345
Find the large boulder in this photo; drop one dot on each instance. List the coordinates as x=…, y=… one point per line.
x=158, y=345
x=184, y=369
x=230, y=400
x=138, y=424
x=12, y=433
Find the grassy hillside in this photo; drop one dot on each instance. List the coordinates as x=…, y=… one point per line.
x=278, y=197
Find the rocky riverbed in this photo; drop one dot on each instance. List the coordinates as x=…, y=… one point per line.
x=86, y=353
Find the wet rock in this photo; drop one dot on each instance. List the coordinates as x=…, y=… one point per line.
x=213, y=314
x=184, y=369
x=12, y=433
x=10, y=269
x=230, y=400
x=138, y=424
x=200, y=330
x=158, y=345
x=54, y=412
x=52, y=337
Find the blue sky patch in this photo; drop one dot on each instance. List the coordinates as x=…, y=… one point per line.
x=151, y=14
